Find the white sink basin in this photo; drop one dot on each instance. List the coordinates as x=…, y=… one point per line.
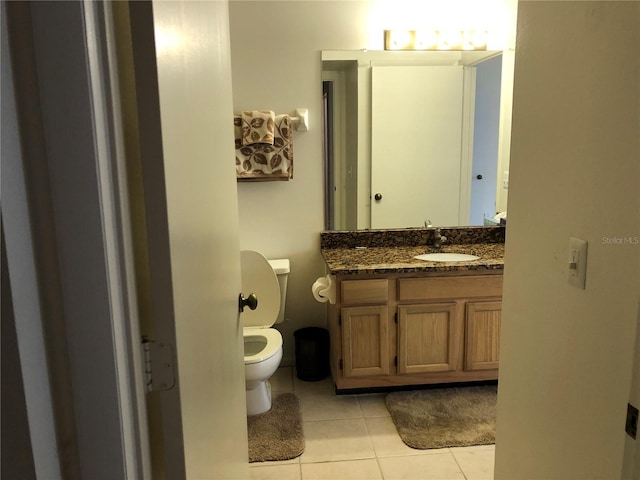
x=446, y=257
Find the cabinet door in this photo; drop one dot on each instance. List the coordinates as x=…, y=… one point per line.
x=365, y=341
x=428, y=337
x=482, y=333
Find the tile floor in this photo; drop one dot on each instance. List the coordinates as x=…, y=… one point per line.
x=352, y=437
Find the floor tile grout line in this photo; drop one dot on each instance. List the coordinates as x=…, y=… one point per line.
x=377, y=458
x=352, y=459
x=459, y=466
x=361, y=410
x=332, y=419
x=379, y=467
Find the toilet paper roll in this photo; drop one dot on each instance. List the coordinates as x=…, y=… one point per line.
x=324, y=289
x=320, y=285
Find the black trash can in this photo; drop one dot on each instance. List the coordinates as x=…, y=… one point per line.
x=312, y=353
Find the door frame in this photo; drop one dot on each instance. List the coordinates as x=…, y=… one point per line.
x=74, y=135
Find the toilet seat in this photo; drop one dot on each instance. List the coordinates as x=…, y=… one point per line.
x=272, y=343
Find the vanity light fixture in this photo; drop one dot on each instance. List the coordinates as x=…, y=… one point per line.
x=435, y=39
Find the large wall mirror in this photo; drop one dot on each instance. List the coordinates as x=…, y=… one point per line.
x=415, y=138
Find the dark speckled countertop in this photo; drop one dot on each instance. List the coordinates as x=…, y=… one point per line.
x=356, y=256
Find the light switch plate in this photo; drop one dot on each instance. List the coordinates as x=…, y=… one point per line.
x=577, y=262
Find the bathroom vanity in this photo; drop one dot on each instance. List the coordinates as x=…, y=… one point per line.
x=402, y=321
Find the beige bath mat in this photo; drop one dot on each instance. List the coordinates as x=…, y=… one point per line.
x=276, y=434
x=445, y=417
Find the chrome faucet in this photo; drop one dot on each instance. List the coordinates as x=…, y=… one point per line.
x=438, y=239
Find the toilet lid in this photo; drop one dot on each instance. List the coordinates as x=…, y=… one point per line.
x=258, y=277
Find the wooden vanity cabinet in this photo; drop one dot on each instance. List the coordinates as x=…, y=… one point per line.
x=408, y=330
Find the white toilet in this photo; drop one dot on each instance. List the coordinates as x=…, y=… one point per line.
x=267, y=279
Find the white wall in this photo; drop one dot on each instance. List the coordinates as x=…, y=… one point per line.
x=275, y=52
x=566, y=353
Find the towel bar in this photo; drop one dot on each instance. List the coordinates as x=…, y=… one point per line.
x=301, y=121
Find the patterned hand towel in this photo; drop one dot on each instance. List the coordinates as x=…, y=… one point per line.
x=261, y=162
x=258, y=127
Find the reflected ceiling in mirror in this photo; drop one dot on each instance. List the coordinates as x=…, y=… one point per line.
x=413, y=138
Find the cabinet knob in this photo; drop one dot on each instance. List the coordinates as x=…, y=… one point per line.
x=479, y=177
x=378, y=197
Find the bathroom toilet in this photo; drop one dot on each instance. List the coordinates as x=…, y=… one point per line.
x=267, y=279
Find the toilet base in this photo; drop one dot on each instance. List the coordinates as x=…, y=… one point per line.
x=259, y=398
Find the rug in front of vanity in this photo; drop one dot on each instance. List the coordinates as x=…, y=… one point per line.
x=276, y=434
x=445, y=417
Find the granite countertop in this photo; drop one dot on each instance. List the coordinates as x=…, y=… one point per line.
x=353, y=261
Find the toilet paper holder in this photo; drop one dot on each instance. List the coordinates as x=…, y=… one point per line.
x=324, y=289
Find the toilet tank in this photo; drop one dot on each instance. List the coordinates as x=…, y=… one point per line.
x=281, y=268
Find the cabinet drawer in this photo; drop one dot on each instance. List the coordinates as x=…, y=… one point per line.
x=449, y=287
x=355, y=292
